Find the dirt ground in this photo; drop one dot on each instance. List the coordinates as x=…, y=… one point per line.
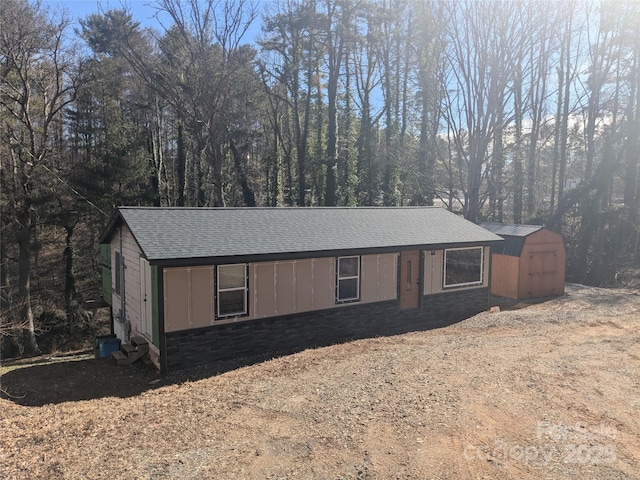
x=550, y=391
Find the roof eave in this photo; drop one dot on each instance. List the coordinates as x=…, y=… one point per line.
x=298, y=255
x=112, y=225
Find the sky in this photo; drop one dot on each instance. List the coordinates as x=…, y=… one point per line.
x=141, y=9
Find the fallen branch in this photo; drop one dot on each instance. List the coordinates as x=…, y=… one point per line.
x=5, y=392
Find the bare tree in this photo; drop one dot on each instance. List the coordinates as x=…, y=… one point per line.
x=37, y=81
x=481, y=40
x=197, y=71
x=292, y=58
x=367, y=80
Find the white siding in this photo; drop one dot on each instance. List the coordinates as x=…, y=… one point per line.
x=124, y=242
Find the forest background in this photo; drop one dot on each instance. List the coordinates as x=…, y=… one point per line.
x=505, y=111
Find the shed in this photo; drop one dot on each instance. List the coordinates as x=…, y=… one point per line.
x=208, y=284
x=531, y=262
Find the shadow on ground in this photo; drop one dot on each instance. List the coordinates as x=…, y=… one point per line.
x=75, y=379
x=43, y=381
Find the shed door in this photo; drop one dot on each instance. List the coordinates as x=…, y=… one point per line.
x=543, y=274
x=146, y=307
x=409, y=279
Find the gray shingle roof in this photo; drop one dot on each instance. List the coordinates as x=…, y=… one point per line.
x=190, y=233
x=514, y=236
x=512, y=230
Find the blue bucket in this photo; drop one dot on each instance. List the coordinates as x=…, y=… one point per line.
x=106, y=345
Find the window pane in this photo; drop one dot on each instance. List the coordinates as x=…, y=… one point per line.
x=231, y=276
x=232, y=302
x=463, y=266
x=348, y=289
x=348, y=267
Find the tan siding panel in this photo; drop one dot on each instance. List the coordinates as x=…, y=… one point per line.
x=284, y=288
x=266, y=290
x=486, y=266
x=176, y=299
x=369, y=279
x=433, y=270
x=387, y=277
x=303, y=285
x=427, y=280
x=379, y=278
x=201, y=297
x=324, y=283
x=264, y=284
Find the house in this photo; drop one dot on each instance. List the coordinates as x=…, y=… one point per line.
x=206, y=284
x=531, y=262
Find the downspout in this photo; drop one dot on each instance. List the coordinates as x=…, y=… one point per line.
x=123, y=304
x=162, y=338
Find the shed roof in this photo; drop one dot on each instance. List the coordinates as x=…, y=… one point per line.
x=204, y=233
x=514, y=236
x=511, y=229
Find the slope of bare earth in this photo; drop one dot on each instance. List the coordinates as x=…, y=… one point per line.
x=548, y=391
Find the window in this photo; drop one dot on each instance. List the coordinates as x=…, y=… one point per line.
x=463, y=266
x=232, y=290
x=118, y=272
x=348, y=279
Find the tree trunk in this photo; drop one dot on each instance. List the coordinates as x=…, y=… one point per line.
x=24, y=237
x=335, y=53
x=247, y=192
x=518, y=174
x=181, y=163
x=424, y=159
x=69, y=273
x=556, y=133
x=5, y=296
x=632, y=150
x=498, y=167
x=215, y=161
x=564, y=126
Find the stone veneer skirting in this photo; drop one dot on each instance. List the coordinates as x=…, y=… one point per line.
x=297, y=332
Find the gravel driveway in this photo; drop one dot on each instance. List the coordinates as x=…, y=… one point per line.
x=548, y=391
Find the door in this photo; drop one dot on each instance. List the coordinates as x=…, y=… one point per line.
x=543, y=274
x=409, y=279
x=146, y=307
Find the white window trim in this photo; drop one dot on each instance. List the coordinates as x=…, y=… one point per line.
x=233, y=289
x=339, y=278
x=467, y=284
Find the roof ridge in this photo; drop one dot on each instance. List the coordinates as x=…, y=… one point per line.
x=364, y=207
x=164, y=233
x=512, y=224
